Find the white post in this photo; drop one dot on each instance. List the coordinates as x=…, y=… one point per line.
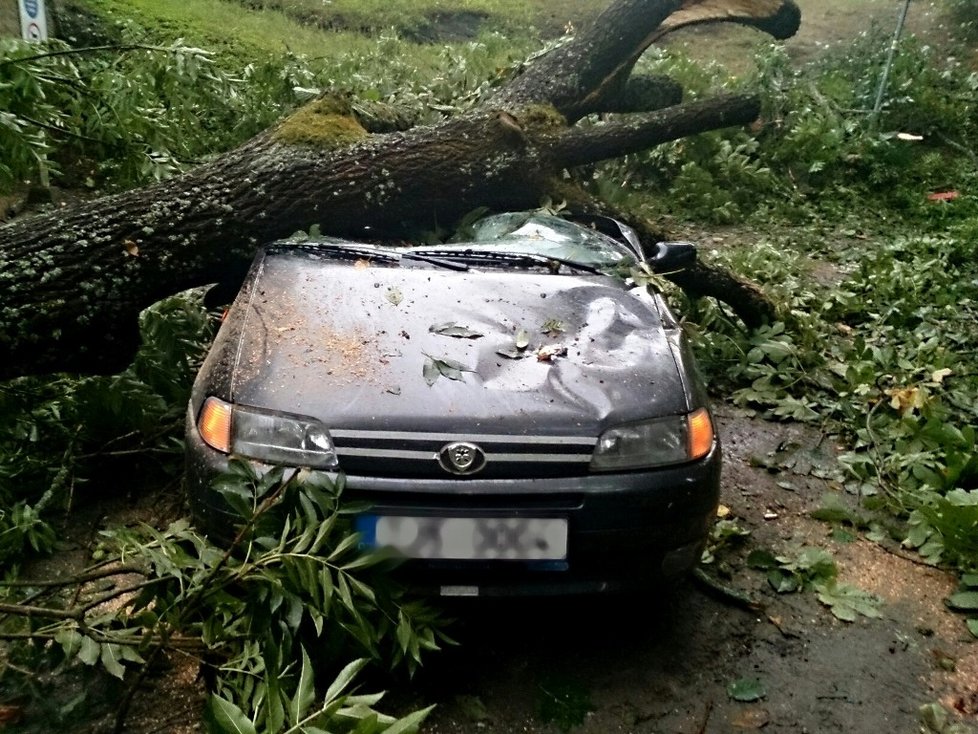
x=884, y=80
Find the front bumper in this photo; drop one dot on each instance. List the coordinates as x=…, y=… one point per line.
x=625, y=530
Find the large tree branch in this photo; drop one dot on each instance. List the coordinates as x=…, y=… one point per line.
x=579, y=77
x=637, y=132
x=72, y=282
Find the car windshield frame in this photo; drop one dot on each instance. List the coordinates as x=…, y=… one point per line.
x=540, y=238
x=517, y=240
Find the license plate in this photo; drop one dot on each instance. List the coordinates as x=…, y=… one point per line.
x=468, y=538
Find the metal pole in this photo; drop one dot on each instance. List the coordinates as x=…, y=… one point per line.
x=884, y=80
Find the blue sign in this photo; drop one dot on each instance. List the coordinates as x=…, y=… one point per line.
x=31, y=7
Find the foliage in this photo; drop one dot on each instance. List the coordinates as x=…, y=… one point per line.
x=815, y=569
x=747, y=690
x=293, y=580
x=56, y=433
x=150, y=107
x=934, y=719
x=131, y=116
x=725, y=534
x=965, y=13
x=817, y=149
x=966, y=600
x=876, y=349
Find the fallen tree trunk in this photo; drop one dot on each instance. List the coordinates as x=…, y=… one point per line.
x=73, y=281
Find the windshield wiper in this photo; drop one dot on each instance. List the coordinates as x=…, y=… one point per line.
x=517, y=259
x=440, y=262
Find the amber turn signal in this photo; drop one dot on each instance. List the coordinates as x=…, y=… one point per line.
x=700, y=433
x=214, y=424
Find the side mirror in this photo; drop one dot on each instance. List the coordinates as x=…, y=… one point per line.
x=671, y=256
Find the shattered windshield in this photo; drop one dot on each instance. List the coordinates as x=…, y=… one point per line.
x=542, y=235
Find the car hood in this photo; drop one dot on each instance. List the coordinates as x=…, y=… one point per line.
x=348, y=343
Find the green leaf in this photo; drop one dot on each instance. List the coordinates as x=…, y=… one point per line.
x=970, y=579
x=89, y=651
x=409, y=723
x=746, y=690
x=934, y=717
x=847, y=602
x=404, y=631
x=435, y=367
x=70, y=641
x=274, y=706
x=762, y=559
x=305, y=690
x=972, y=626
x=343, y=680
x=226, y=718
x=964, y=601
x=343, y=547
x=782, y=582
x=111, y=660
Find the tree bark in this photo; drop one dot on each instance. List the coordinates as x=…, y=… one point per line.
x=73, y=281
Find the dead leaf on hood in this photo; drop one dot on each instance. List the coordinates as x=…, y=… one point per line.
x=450, y=328
x=394, y=296
x=511, y=353
x=546, y=354
x=435, y=367
x=522, y=339
x=553, y=327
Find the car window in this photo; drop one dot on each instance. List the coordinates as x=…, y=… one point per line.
x=544, y=235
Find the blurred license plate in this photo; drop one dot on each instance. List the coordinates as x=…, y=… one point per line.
x=468, y=538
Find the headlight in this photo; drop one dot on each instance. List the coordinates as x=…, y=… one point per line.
x=671, y=440
x=274, y=438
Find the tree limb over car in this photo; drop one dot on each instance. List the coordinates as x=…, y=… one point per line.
x=74, y=280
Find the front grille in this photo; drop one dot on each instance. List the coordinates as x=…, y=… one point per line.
x=411, y=454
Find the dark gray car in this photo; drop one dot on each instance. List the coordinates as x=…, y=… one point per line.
x=519, y=417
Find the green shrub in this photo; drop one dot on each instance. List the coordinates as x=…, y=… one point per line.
x=965, y=14
x=55, y=432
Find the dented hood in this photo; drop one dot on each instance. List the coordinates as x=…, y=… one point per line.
x=347, y=343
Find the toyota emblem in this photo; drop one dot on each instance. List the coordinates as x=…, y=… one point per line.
x=461, y=458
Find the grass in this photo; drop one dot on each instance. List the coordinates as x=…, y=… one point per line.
x=341, y=28
x=225, y=28
x=414, y=16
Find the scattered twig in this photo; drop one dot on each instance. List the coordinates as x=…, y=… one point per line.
x=79, y=578
x=706, y=717
x=906, y=557
x=89, y=50
x=735, y=597
x=27, y=610
x=121, y=591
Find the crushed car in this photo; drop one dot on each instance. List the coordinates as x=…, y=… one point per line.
x=518, y=415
